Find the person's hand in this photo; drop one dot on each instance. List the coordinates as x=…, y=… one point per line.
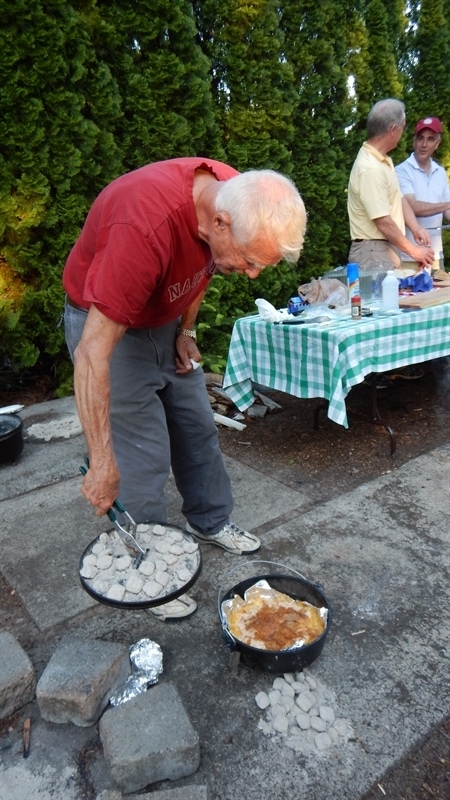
x=422, y=237
x=423, y=255
x=186, y=349
x=101, y=487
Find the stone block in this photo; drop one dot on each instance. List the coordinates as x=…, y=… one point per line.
x=149, y=738
x=193, y=792
x=79, y=679
x=183, y=793
x=17, y=676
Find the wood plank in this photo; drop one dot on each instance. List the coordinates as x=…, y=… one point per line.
x=425, y=299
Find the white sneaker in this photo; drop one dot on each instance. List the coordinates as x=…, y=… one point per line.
x=231, y=538
x=180, y=608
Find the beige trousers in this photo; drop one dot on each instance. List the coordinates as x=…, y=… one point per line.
x=373, y=253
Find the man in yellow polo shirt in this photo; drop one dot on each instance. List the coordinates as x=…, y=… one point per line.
x=377, y=209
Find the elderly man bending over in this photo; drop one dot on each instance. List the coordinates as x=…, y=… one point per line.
x=134, y=282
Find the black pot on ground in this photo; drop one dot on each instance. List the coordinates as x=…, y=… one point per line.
x=279, y=661
x=11, y=438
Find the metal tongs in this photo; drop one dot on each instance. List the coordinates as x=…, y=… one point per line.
x=126, y=534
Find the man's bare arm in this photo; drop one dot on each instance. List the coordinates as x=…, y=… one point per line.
x=186, y=345
x=390, y=231
x=423, y=209
x=92, y=392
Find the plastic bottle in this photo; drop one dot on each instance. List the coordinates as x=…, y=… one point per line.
x=389, y=292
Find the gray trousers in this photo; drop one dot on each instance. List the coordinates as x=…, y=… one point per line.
x=160, y=419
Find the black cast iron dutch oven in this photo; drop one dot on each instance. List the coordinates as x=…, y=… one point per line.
x=11, y=437
x=297, y=587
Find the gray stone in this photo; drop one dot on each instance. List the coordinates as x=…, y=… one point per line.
x=323, y=741
x=256, y=411
x=306, y=701
x=80, y=678
x=278, y=711
x=262, y=700
x=17, y=676
x=267, y=401
x=333, y=734
x=284, y=687
x=287, y=702
x=149, y=738
x=318, y=724
x=303, y=720
x=186, y=793
x=274, y=697
x=341, y=727
x=327, y=713
x=280, y=724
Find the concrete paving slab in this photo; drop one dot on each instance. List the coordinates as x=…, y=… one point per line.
x=46, y=528
x=40, y=465
x=50, y=772
x=43, y=535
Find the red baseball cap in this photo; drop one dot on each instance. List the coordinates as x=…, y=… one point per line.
x=433, y=123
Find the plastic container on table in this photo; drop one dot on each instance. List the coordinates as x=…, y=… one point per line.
x=389, y=292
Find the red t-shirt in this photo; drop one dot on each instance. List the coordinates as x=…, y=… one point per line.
x=139, y=258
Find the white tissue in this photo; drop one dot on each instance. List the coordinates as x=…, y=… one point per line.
x=267, y=311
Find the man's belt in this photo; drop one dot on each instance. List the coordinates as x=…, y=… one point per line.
x=369, y=240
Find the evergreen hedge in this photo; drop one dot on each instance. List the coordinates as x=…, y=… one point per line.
x=94, y=88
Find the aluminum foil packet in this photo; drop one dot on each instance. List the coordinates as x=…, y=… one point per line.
x=146, y=660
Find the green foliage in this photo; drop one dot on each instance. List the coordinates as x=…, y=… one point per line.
x=252, y=79
x=233, y=296
x=57, y=153
x=315, y=34
x=92, y=88
x=163, y=79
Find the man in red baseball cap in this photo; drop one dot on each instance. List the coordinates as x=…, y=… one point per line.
x=429, y=123
x=425, y=185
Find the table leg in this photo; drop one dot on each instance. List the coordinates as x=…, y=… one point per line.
x=376, y=416
x=316, y=414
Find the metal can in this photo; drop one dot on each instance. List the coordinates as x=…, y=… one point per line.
x=353, y=279
x=355, y=302
x=295, y=305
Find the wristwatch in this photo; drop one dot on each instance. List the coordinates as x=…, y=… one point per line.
x=187, y=332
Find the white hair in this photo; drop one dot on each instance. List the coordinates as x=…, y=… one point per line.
x=264, y=202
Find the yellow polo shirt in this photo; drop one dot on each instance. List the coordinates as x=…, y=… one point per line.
x=373, y=191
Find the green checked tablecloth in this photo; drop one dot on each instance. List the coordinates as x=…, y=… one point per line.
x=316, y=360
